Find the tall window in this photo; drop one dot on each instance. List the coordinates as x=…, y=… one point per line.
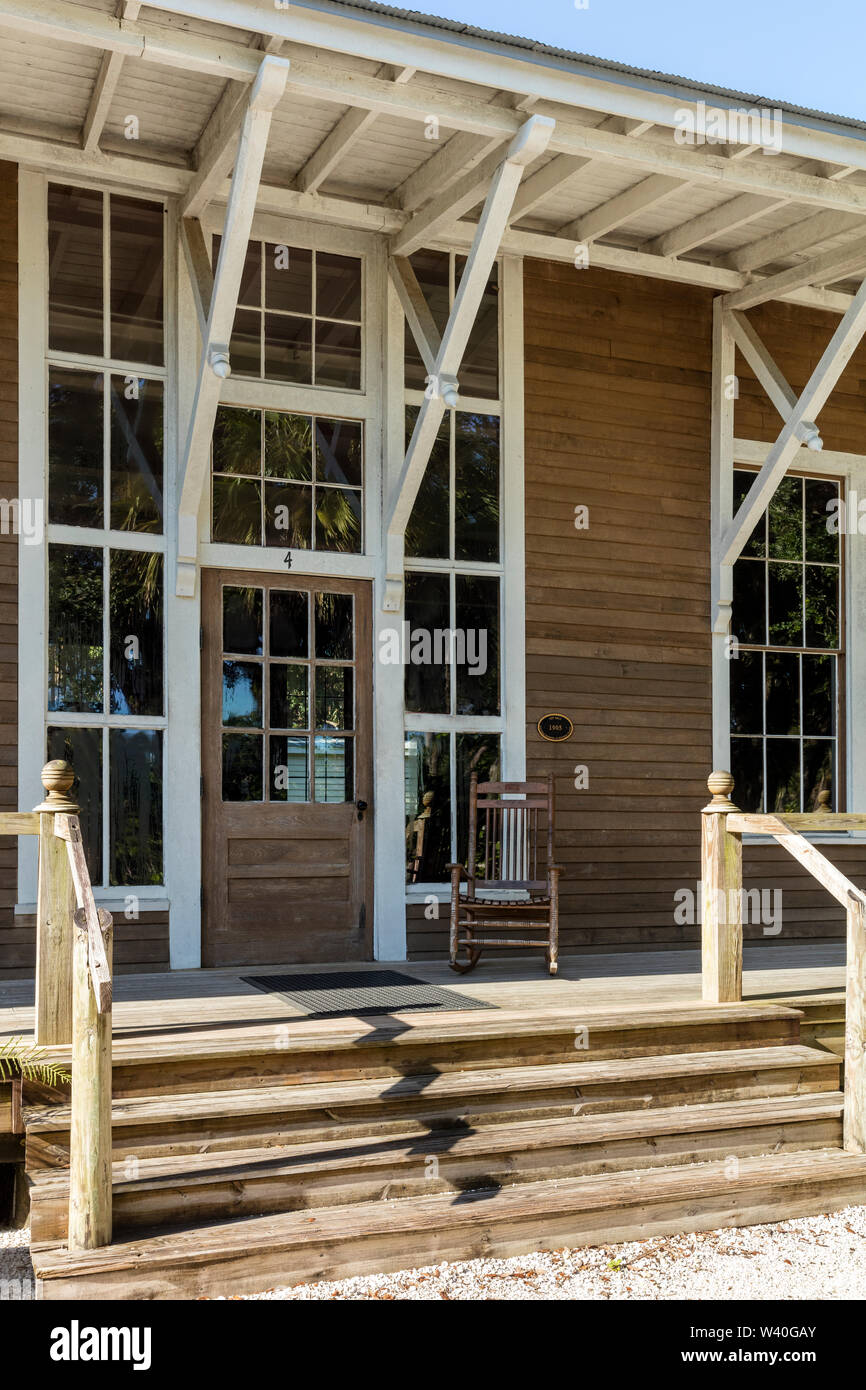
x=453, y=696
x=105, y=382
x=785, y=670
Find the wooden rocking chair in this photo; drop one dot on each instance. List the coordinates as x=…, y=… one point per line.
x=506, y=816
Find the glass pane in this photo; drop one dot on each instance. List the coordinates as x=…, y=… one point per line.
x=432, y=270
x=783, y=693
x=785, y=584
x=83, y=749
x=338, y=355
x=135, y=806
x=289, y=278
x=288, y=446
x=748, y=620
x=290, y=623
x=479, y=370
x=427, y=782
x=237, y=441
x=75, y=448
x=477, y=644
x=757, y=542
x=785, y=519
x=237, y=511
x=288, y=515
x=289, y=707
x=818, y=759
x=242, y=694
x=819, y=694
x=747, y=769
x=289, y=768
x=747, y=693
x=251, y=277
x=338, y=286
x=245, y=347
x=822, y=543
x=334, y=780
x=477, y=753
x=334, y=708
x=288, y=348
x=334, y=617
x=427, y=613
x=476, y=487
x=75, y=272
x=338, y=520
x=242, y=620
x=136, y=454
x=427, y=533
x=75, y=644
x=339, y=451
x=135, y=623
x=136, y=279
x=822, y=606
x=242, y=767
x=783, y=775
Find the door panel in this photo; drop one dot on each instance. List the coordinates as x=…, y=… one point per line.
x=286, y=754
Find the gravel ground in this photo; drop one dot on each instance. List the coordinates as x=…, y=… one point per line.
x=814, y=1257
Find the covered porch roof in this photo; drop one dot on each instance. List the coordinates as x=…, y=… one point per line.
x=384, y=114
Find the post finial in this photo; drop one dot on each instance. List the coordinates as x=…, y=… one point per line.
x=824, y=800
x=721, y=784
x=57, y=777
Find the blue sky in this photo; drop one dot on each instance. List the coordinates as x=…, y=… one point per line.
x=806, y=52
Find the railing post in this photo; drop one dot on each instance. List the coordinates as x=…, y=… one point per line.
x=854, y=1125
x=722, y=887
x=90, y=1125
x=54, y=908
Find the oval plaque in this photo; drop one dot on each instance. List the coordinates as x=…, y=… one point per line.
x=556, y=728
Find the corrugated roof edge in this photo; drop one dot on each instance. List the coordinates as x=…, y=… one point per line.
x=584, y=61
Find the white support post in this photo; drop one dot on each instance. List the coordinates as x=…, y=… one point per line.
x=835, y=358
x=782, y=395
x=214, y=365
x=721, y=507
x=421, y=323
x=530, y=142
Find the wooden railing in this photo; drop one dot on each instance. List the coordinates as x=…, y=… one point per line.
x=723, y=826
x=73, y=995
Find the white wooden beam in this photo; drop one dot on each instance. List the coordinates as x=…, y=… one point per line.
x=834, y=360
x=339, y=141
x=418, y=316
x=443, y=385
x=106, y=84
x=708, y=225
x=721, y=512
x=622, y=208
x=770, y=375
x=755, y=451
x=529, y=142
x=199, y=269
x=538, y=187
x=800, y=236
x=820, y=270
x=214, y=364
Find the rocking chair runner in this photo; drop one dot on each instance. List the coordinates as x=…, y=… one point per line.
x=507, y=815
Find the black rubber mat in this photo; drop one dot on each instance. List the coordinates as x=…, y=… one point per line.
x=359, y=993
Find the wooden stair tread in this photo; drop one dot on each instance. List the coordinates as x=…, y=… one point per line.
x=412, y=1030
x=312, y=1159
x=134, y=1110
x=416, y=1216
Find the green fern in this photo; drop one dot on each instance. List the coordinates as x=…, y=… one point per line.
x=20, y=1058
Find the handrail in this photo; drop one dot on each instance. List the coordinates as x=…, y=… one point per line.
x=68, y=828
x=723, y=826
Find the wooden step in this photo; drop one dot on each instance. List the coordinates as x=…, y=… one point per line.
x=254, y=1253
x=180, y=1190
x=146, y=1126
x=303, y=1051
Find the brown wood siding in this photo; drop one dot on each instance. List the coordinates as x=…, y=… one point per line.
x=141, y=945
x=618, y=616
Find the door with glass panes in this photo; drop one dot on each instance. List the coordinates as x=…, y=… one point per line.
x=286, y=764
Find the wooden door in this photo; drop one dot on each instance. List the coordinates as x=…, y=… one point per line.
x=287, y=769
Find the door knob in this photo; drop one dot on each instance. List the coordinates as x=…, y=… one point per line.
x=360, y=807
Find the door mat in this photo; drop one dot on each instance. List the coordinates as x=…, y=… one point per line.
x=359, y=993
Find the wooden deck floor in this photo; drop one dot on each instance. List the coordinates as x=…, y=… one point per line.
x=203, y=1002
